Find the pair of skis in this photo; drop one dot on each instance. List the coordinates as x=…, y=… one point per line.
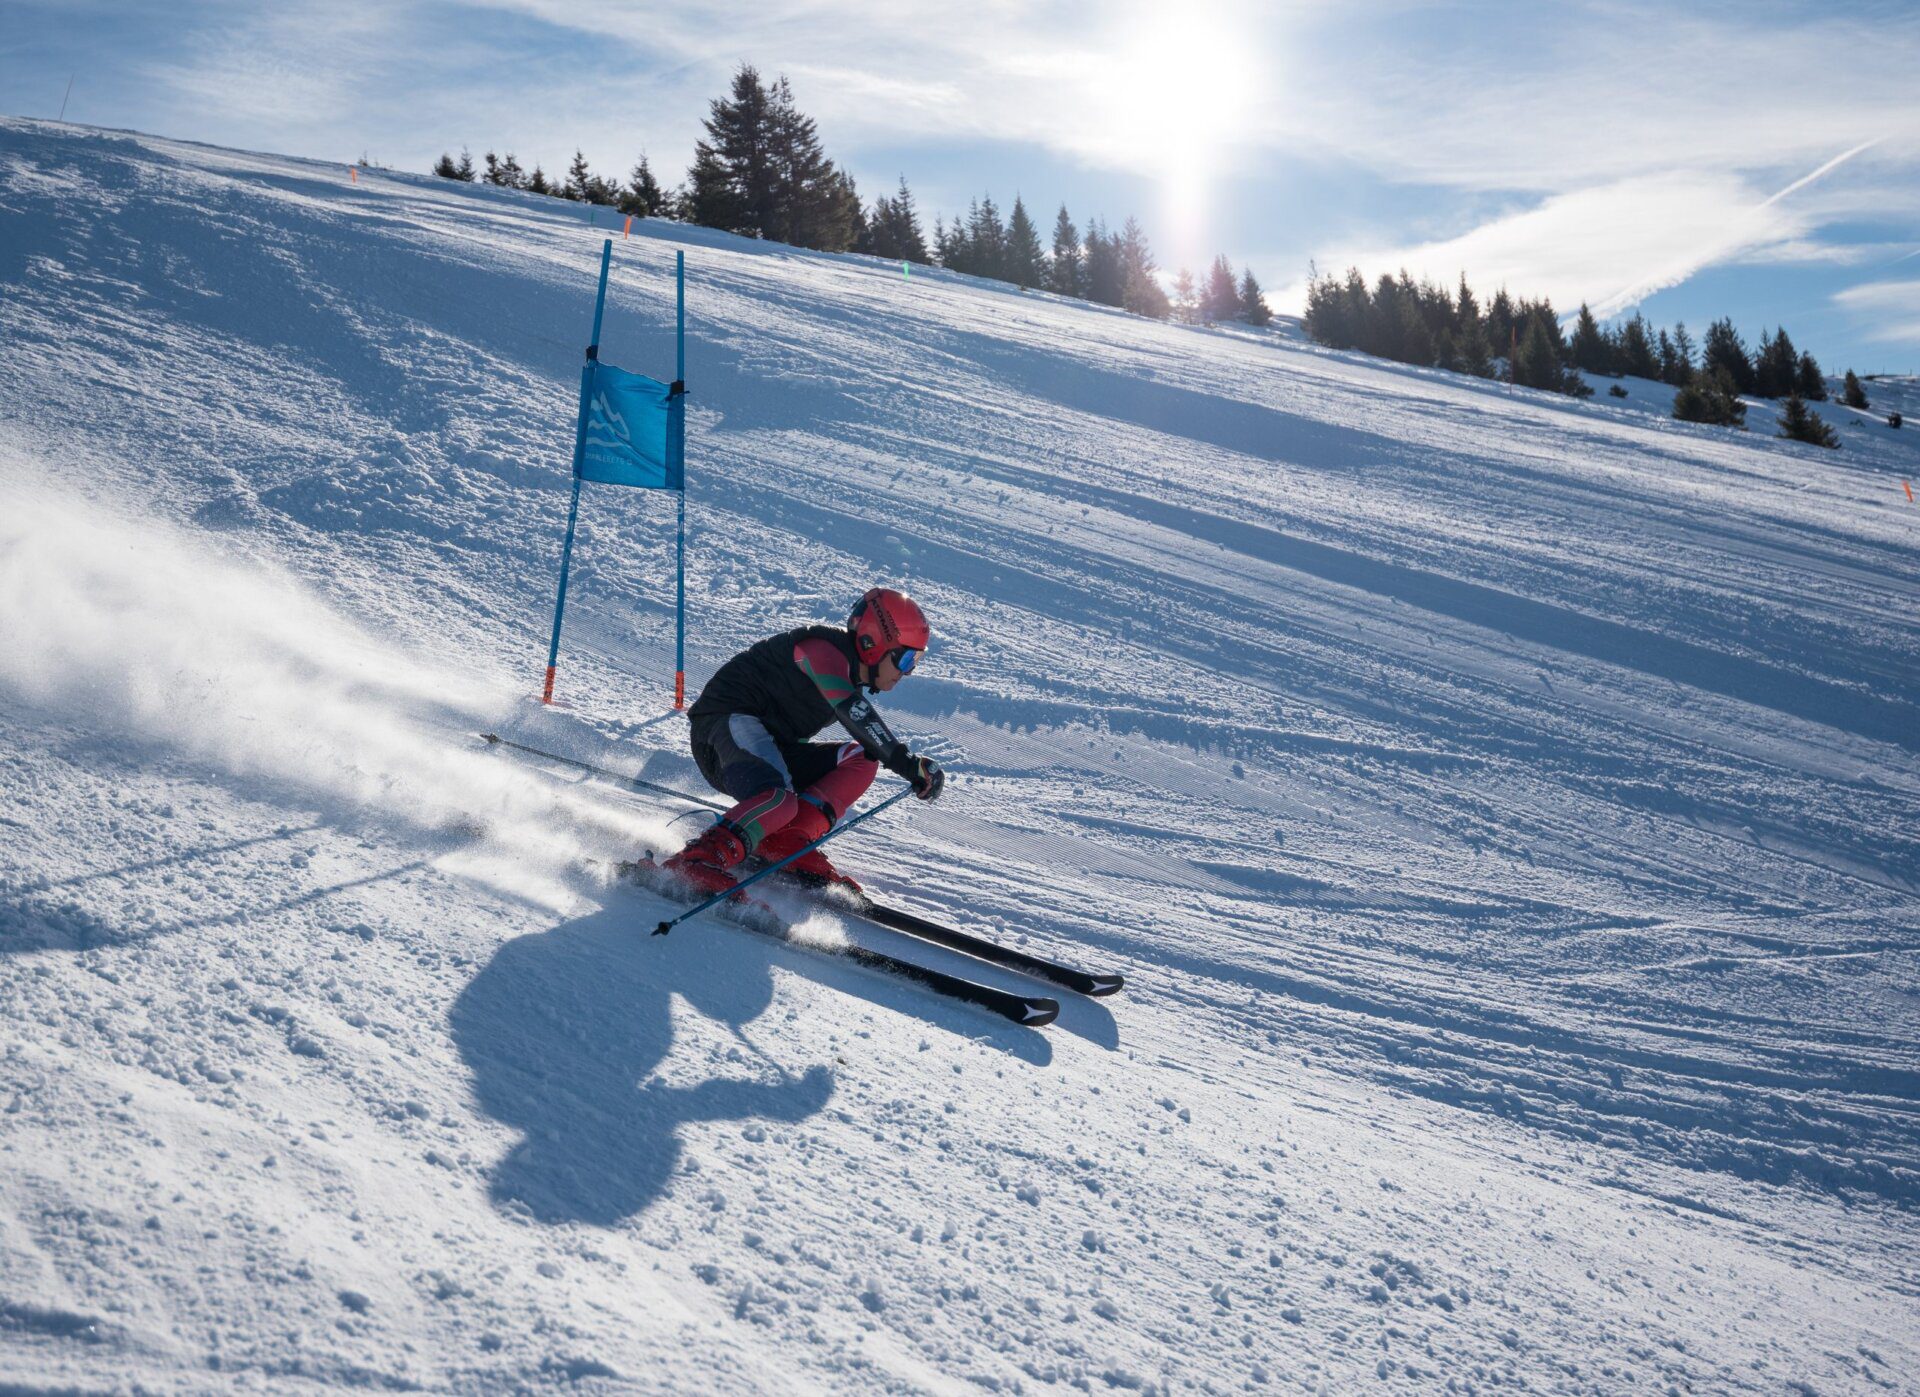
x=1031, y=1010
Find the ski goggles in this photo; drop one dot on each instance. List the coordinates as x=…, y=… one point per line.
x=904, y=659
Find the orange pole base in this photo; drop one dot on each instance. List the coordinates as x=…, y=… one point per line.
x=546, y=694
x=679, y=690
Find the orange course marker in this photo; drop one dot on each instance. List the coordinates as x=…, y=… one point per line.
x=627, y=231
x=353, y=173
x=1909, y=485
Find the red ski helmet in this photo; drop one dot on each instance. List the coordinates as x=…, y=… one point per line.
x=884, y=621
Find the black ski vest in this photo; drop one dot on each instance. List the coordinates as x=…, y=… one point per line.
x=764, y=682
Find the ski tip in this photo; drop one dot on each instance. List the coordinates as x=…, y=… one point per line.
x=663, y=929
x=489, y=737
x=1101, y=985
x=1037, y=1013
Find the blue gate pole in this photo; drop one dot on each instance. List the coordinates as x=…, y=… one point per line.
x=579, y=456
x=680, y=531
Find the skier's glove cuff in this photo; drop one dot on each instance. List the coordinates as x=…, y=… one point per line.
x=898, y=760
x=927, y=778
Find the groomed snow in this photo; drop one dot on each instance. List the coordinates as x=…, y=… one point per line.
x=1506, y=811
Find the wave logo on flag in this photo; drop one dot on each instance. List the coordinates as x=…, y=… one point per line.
x=634, y=431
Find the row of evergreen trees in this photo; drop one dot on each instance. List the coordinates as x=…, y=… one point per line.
x=1423, y=324
x=1775, y=370
x=761, y=171
x=641, y=195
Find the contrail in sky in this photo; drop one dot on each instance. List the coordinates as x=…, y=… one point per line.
x=1806, y=180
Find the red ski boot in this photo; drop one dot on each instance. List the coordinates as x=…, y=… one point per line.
x=811, y=869
x=705, y=864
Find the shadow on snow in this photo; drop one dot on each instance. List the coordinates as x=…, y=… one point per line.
x=568, y=1034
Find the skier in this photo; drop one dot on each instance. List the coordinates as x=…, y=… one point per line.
x=750, y=729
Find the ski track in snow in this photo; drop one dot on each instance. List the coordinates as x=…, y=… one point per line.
x=1503, y=808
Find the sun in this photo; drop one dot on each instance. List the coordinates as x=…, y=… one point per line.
x=1177, y=98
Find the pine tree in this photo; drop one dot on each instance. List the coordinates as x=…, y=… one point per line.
x=1669, y=359
x=1724, y=349
x=709, y=197
x=445, y=168
x=1589, y=345
x=1436, y=308
x=537, y=182
x=1328, y=320
x=512, y=176
x=903, y=228
x=1810, y=381
x=1185, y=298
x=1638, y=355
x=1219, y=299
x=1381, y=332
x=1253, y=306
x=1711, y=396
x=730, y=185
x=1852, y=394
x=1466, y=308
x=950, y=244
x=464, y=170
x=643, y=197
x=1106, y=278
x=987, y=237
x=1536, y=364
x=1141, y=291
x=1025, y=264
x=892, y=229
x=1683, y=353
x=1417, y=341
x=1801, y=423
x=492, y=176
x=1776, y=367
x=1472, y=354
x=844, y=219
x=578, y=179
x=1542, y=360
x=812, y=203
x=1068, y=274
x=1501, y=327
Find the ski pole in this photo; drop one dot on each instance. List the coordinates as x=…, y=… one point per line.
x=669, y=925
x=493, y=739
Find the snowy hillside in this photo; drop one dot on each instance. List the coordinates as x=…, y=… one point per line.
x=1506, y=811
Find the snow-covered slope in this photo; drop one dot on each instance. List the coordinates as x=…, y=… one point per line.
x=1505, y=810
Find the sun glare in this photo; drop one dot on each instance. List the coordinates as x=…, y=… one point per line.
x=1176, y=96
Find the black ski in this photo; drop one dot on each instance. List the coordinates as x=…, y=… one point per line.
x=1031, y=1010
x=894, y=918
x=913, y=924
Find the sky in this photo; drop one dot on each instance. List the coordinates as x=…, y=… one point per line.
x=1759, y=160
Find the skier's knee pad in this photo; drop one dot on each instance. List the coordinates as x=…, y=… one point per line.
x=762, y=813
x=808, y=824
x=847, y=782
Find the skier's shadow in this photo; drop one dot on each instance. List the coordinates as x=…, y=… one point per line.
x=567, y=1033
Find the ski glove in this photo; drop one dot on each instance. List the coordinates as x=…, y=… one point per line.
x=928, y=779
x=922, y=773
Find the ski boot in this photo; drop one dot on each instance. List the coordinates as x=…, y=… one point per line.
x=705, y=865
x=812, y=869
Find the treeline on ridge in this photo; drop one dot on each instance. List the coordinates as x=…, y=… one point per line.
x=1522, y=341
x=761, y=171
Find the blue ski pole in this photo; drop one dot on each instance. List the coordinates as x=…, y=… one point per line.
x=844, y=825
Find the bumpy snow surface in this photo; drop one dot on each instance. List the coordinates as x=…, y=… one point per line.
x=1506, y=812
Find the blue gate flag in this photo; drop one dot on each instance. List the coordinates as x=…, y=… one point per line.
x=636, y=430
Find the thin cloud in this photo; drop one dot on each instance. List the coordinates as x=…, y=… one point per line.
x=1609, y=246
x=1888, y=312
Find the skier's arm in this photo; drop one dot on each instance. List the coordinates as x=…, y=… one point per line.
x=827, y=667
